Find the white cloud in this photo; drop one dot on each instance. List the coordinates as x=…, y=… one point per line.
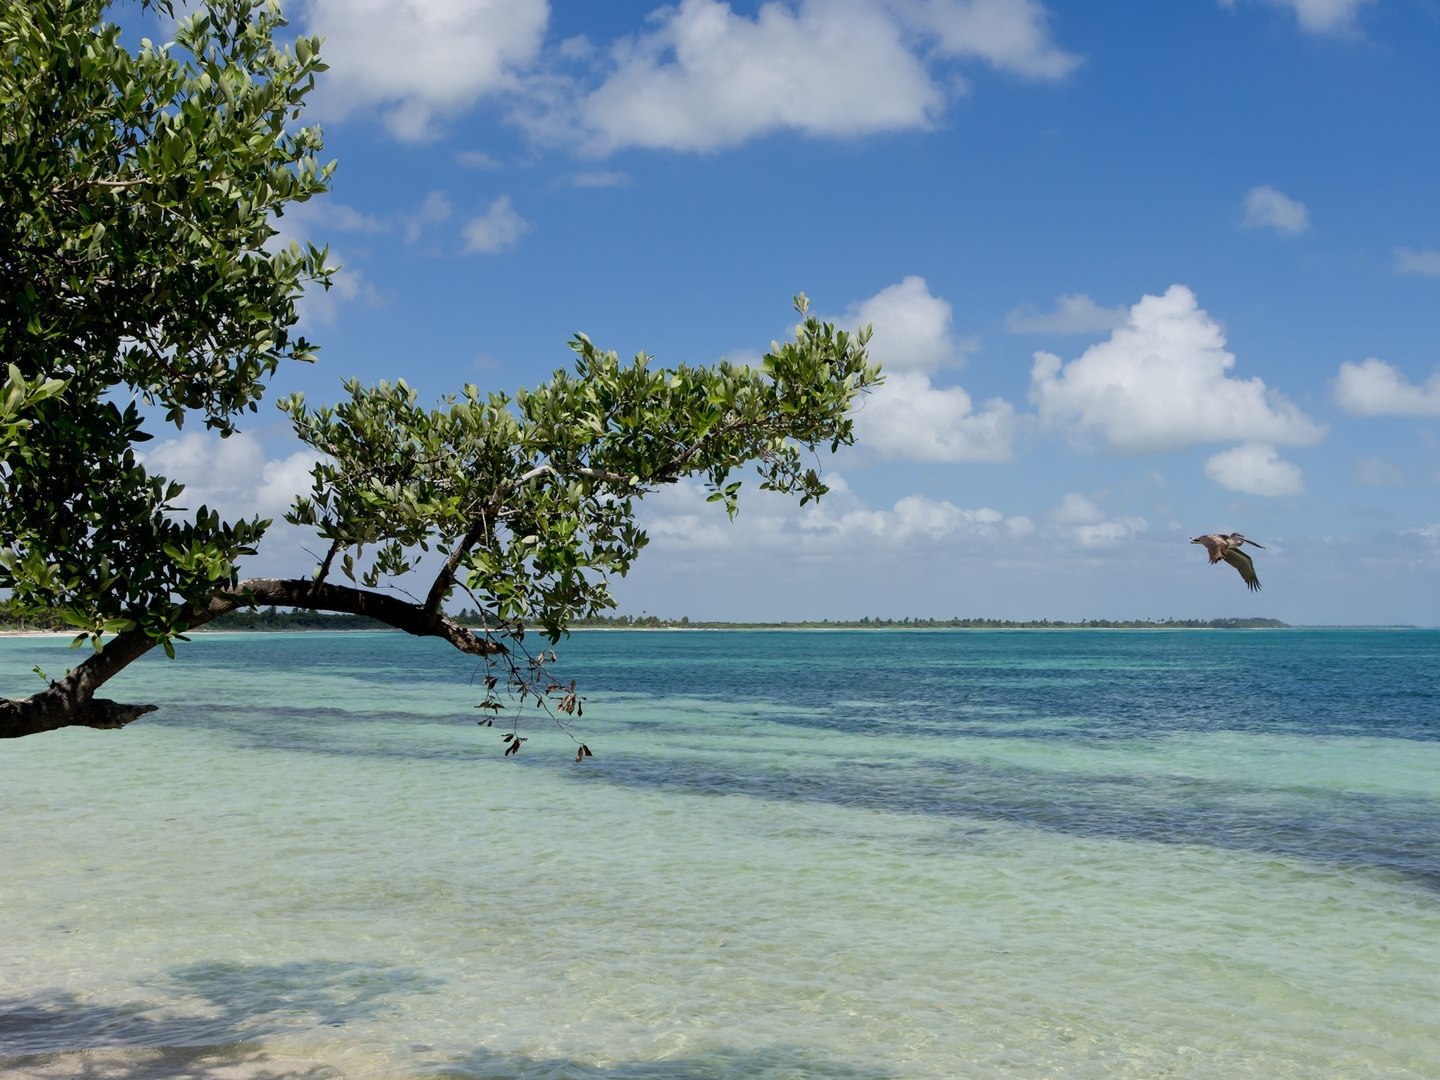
x=678, y=518
x=699, y=77
x=499, y=228
x=435, y=209
x=1076, y=509
x=1078, y=520
x=1160, y=382
x=1075, y=313
x=1417, y=262
x=418, y=61
x=908, y=416
x=238, y=479
x=911, y=419
x=1013, y=35
x=911, y=327
x=1255, y=469
x=232, y=475
x=1104, y=534
x=916, y=517
x=1374, y=388
x=706, y=77
x=1267, y=208
x=1319, y=16
x=1376, y=472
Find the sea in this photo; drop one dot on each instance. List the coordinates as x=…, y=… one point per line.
x=842, y=854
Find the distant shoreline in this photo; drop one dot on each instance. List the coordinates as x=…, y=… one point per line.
x=819, y=627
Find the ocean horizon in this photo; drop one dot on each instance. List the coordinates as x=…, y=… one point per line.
x=852, y=854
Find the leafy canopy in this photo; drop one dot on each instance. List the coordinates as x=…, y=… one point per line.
x=138, y=194
x=141, y=278
x=530, y=502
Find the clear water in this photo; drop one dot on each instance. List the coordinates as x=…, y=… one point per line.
x=857, y=855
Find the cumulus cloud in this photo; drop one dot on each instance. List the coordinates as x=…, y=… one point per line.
x=1417, y=262
x=909, y=417
x=705, y=77
x=1267, y=208
x=1374, y=388
x=1079, y=520
x=912, y=327
x=419, y=61
x=678, y=518
x=1161, y=382
x=700, y=76
x=234, y=475
x=1075, y=313
x=498, y=229
x=1255, y=469
x=1013, y=35
x=1319, y=16
x=1104, y=534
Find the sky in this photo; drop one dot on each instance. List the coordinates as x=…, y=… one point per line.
x=1135, y=272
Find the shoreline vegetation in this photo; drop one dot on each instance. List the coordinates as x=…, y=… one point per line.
x=272, y=619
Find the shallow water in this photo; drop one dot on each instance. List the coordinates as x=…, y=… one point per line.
x=880, y=854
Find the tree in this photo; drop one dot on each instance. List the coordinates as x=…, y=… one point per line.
x=139, y=276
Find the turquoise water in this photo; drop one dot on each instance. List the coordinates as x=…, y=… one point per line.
x=858, y=855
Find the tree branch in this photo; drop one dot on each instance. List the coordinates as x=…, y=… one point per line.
x=71, y=701
x=343, y=599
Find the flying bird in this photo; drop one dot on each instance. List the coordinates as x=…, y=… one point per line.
x=1220, y=546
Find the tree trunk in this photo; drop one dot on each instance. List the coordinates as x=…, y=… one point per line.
x=71, y=701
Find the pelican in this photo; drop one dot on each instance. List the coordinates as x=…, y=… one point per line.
x=1220, y=546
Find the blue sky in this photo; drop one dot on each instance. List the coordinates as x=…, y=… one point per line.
x=1136, y=272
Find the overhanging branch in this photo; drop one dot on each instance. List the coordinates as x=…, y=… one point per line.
x=71, y=701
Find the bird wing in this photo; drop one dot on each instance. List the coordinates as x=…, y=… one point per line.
x=1242, y=562
x=1216, y=546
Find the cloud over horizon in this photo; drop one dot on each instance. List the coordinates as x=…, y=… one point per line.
x=1161, y=382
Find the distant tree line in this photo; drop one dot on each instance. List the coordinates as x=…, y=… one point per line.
x=655, y=622
x=274, y=619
